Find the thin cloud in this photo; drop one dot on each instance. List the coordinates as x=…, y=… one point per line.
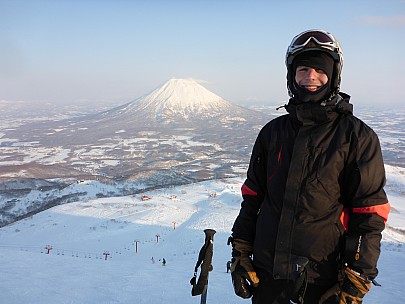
x=200, y=81
x=385, y=21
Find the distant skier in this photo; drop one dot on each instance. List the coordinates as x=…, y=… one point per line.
x=153, y=260
x=228, y=266
x=163, y=262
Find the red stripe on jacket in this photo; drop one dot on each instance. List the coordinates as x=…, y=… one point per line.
x=344, y=218
x=381, y=210
x=247, y=191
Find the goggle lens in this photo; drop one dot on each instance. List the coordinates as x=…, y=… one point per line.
x=318, y=36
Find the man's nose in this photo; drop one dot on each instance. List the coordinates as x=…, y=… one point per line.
x=312, y=73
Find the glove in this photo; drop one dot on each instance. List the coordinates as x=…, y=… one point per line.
x=244, y=276
x=350, y=291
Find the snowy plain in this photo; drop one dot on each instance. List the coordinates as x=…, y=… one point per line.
x=168, y=225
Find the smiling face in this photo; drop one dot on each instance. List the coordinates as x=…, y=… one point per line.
x=309, y=78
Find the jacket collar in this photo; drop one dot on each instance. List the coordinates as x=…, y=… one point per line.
x=308, y=113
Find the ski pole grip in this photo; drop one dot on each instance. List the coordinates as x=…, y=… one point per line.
x=209, y=233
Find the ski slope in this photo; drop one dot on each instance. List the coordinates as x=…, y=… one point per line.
x=94, y=260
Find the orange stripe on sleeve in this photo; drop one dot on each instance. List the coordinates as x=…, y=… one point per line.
x=247, y=191
x=344, y=218
x=381, y=210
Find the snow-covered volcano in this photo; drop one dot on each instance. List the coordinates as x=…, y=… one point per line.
x=176, y=106
x=183, y=97
x=180, y=99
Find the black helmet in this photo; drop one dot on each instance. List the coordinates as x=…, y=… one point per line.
x=315, y=40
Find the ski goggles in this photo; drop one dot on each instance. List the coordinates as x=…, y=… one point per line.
x=321, y=38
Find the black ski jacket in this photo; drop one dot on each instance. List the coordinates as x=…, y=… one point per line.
x=314, y=188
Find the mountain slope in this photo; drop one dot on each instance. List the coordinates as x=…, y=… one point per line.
x=177, y=104
x=179, y=100
x=169, y=225
x=179, y=133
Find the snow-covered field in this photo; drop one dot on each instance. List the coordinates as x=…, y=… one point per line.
x=168, y=225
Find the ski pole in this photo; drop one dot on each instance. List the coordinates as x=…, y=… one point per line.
x=200, y=286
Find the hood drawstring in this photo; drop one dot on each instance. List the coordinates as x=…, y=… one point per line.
x=280, y=107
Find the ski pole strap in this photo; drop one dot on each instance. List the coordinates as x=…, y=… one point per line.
x=294, y=291
x=204, y=259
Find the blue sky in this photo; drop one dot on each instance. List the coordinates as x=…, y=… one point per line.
x=115, y=51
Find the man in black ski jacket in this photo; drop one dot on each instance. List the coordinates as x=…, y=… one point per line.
x=313, y=209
